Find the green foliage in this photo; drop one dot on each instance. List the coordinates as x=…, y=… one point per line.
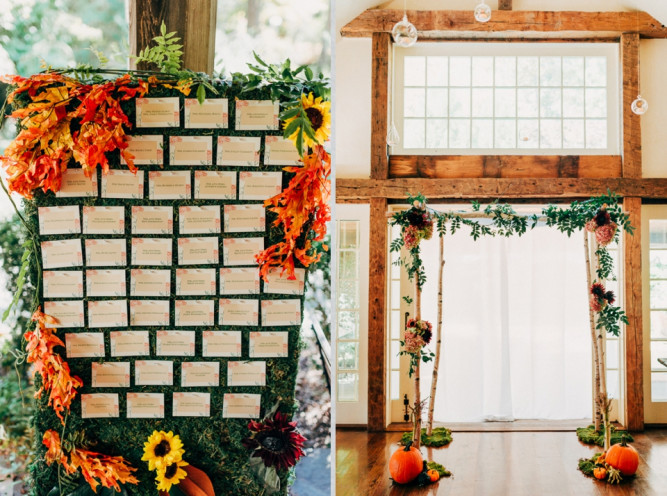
x=589, y=435
x=441, y=436
x=587, y=465
x=440, y=468
x=166, y=54
x=610, y=319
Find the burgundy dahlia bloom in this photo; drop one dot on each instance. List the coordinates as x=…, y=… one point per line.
x=276, y=441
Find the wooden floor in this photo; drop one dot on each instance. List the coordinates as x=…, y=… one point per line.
x=496, y=464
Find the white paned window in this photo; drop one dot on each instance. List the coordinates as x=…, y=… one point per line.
x=658, y=305
x=506, y=98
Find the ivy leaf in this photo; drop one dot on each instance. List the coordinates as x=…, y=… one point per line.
x=201, y=94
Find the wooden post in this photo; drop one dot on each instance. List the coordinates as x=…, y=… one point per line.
x=632, y=131
x=193, y=20
x=504, y=4
x=380, y=105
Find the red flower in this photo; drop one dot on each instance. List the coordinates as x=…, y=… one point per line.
x=276, y=441
x=598, y=290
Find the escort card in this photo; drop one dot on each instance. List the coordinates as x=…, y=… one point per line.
x=215, y=185
x=195, y=313
x=103, y=220
x=158, y=112
x=117, y=183
x=211, y=113
x=198, y=251
x=280, y=151
x=245, y=218
x=63, y=284
x=200, y=374
x=145, y=405
x=75, y=184
x=199, y=220
x=149, y=312
x=278, y=282
x=221, y=344
x=257, y=115
x=108, y=313
x=241, y=251
x=195, y=282
x=175, y=343
x=269, y=344
x=151, y=251
x=105, y=283
x=100, y=405
x=190, y=150
x=237, y=405
x=281, y=313
x=129, y=343
x=62, y=253
x=238, y=312
x=146, y=149
x=246, y=373
x=153, y=373
x=111, y=374
x=68, y=313
x=238, y=151
x=84, y=345
x=259, y=185
x=239, y=281
x=152, y=220
x=106, y=253
x=192, y=405
x=173, y=185
x=145, y=282
x=59, y=220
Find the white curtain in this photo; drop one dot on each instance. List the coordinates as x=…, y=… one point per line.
x=516, y=341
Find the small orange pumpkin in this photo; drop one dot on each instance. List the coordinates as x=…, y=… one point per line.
x=600, y=473
x=405, y=464
x=433, y=475
x=623, y=457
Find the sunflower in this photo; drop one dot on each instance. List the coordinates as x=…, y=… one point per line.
x=276, y=441
x=319, y=115
x=162, y=449
x=170, y=475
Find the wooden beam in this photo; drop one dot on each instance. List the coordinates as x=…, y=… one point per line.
x=511, y=23
x=632, y=293
x=504, y=4
x=632, y=137
x=380, y=104
x=515, y=166
x=193, y=20
x=377, y=305
x=395, y=189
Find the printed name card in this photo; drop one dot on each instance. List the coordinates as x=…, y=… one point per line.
x=241, y=251
x=221, y=344
x=245, y=218
x=198, y=251
x=268, y=344
x=195, y=313
x=280, y=151
x=238, y=151
x=62, y=253
x=257, y=115
x=129, y=343
x=99, y=405
x=195, y=282
x=149, y=312
x=84, y=344
x=192, y=405
x=150, y=282
x=175, y=343
x=151, y=251
x=281, y=313
x=215, y=185
x=146, y=149
x=106, y=253
x=68, y=313
x=246, y=373
x=199, y=220
x=103, y=220
x=172, y=185
x=240, y=312
x=75, y=184
x=152, y=220
x=259, y=185
x=278, y=282
x=145, y=405
x=239, y=281
x=236, y=405
x=105, y=283
x=108, y=313
x=59, y=220
x=111, y=374
x=153, y=373
x=211, y=113
x=200, y=374
x=190, y=150
x=63, y=284
x=117, y=183
x=158, y=112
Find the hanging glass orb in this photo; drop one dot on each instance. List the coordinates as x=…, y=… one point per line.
x=639, y=106
x=392, y=135
x=404, y=33
x=482, y=12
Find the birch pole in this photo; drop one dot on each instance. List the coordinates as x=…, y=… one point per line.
x=597, y=414
x=417, y=432
x=436, y=364
x=602, y=396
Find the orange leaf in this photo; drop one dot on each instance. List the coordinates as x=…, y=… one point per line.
x=200, y=478
x=190, y=488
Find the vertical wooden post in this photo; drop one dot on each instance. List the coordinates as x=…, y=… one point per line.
x=504, y=4
x=632, y=131
x=193, y=20
x=380, y=105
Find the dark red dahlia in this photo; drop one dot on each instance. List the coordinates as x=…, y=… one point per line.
x=418, y=218
x=427, y=334
x=276, y=441
x=597, y=290
x=609, y=296
x=602, y=218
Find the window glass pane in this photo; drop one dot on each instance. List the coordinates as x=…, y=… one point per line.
x=482, y=71
x=596, y=133
x=414, y=103
x=348, y=325
x=612, y=353
x=459, y=71
x=413, y=129
x=658, y=233
x=658, y=264
x=505, y=133
x=596, y=71
x=395, y=268
x=347, y=264
x=658, y=296
x=573, y=133
x=348, y=356
x=348, y=297
x=459, y=133
x=550, y=133
x=482, y=102
x=505, y=71
x=528, y=71
x=528, y=102
x=459, y=102
x=573, y=102
x=436, y=105
x=436, y=71
x=394, y=357
x=528, y=133
x=348, y=387
x=658, y=324
x=596, y=102
x=414, y=71
x=436, y=133
x=550, y=71
x=658, y=350
x=348, y=232
x=396, y=324
x=550, y=104
x=505, y=102
x=482, y=133
x=395, y=294
x=612, y=384
x=659, y=386
x=573, y=71
x=395, y=384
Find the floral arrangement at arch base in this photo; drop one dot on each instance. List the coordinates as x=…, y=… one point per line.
x=620, y=462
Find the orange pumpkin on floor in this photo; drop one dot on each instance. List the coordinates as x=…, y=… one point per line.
x=600, y=473
x=405, y=464
x=623, y=457
x=433, y=475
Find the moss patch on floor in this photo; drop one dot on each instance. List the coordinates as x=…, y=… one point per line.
x=441, y=436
